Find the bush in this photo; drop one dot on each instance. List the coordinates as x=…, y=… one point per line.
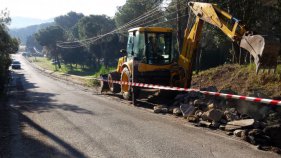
x=7, y=45
x=104, y=70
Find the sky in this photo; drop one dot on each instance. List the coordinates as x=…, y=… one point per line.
x=47, y=9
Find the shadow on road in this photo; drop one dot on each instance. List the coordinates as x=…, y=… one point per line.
x=15, y=142
x=35, y=144
x=38, y=101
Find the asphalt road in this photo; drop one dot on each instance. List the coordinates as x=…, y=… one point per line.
x=51, y=118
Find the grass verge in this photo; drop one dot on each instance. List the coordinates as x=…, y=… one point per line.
x=73, y=70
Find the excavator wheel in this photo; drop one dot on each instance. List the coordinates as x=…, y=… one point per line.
x=113, y=87
x=125, y=88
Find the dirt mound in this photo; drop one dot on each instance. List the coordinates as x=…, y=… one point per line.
x=242, y=79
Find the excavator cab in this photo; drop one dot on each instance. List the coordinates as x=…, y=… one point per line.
x=150, y=45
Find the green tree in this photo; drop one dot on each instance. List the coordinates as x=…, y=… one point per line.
x=69, y=20
x=75, y=56
x=31, y=42
x=94, y=26
x=133, y=9
x=8, y=45
x=68, y=23
x=49, y=37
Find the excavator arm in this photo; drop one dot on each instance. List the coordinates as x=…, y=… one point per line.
x=210, y=13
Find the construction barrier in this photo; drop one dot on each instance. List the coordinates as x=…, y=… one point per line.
x=223, y=95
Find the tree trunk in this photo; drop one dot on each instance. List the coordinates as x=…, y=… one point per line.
x=57, y=59
x=198, y=61
x=179, y=32
x=236, y=53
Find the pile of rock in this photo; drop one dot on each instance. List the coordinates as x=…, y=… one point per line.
x=218, y=113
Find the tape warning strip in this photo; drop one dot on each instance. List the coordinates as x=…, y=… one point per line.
x=223, y=95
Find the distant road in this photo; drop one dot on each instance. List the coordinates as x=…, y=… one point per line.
x=55, y=119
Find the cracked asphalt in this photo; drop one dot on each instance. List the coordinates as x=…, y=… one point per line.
x=51, y=118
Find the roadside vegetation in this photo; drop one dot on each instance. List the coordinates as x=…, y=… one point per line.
x=241, y=79
x=8, y=45
x=78, y=70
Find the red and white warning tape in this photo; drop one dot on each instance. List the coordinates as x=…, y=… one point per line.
x=227, y=96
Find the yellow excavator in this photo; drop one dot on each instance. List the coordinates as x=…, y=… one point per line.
x=149, y=56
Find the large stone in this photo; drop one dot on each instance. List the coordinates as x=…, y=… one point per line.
x=170, y=109
x=222, y=127
x=257, y=136
x=165, y=110
x=192, y=118
x=273, y=118
x=274, y=132
x=245, y=116
x=239, y=124
x=244, y=135
x=231, y=115
x=160, y=109
x=223, y=121
x=181, y=99
x=205, y=123
x=255, y=110
x=255, y=132
x=200, y=104
x=198, y=113
x=177, y=111
x=212, y=115
x=215, y=124
x=232, y=110
x=238, y=133
x=157, y=109
x=187, y=109
x=211, y=106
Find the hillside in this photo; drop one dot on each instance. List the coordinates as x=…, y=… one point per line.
x=241, y=79
x=23, y=33
x=21, y=22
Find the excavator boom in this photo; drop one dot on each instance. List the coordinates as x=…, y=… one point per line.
x=264, y=55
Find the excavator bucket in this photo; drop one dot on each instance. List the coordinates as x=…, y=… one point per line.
x=264, y=51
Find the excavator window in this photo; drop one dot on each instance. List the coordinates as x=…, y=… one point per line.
x=130, y=45
x=158, y=48
x=150, y=47
x=135, y=45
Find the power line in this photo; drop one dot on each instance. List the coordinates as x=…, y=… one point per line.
x=126, y=31
x=151, y=12
x=82, y=43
